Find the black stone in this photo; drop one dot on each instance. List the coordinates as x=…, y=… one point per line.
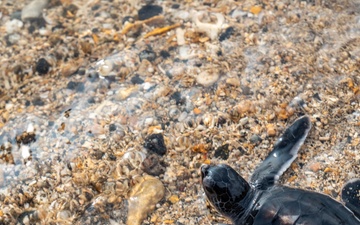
x=127, y=18
x=27, y=102
x=95, y=7
x=91, y=100
x=77, y=86
x=112, y=157
x=95, y=30
x=148, y=55
x=97, y=154
x=81, y=71
x=175, y=6
x=26, y=138
x=42, y=66
x=226, y=35
x=153, y=165
x=155, y=143
x=177, y=97
x=255, y=139
x=317, y=96
x=37, y=101
x=31, y=29
x=38, y=22
x=136, y=79
x=221, y=121
x=149, y=11
x=222, y=152
x=70, y=8
x=112, y=127
x=242, y=150
x=164, y=54
x=57, y=27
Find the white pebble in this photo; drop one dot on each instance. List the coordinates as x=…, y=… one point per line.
x=25, y=151
x=63, y=215
x=207, y=78
x=147, y=86
x=148, y=121
x=13, y=26
x=30, y=128
x=33, y=9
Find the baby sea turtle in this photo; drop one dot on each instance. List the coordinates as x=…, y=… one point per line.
x=264, y=202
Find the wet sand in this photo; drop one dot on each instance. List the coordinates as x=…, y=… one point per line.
x=95, y=96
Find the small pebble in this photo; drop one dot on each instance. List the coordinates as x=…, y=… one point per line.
x=25, y=151
x=33, y=9
x=143, y=198
x=64, y=215
x=77, y=86
x=315, y=167
x=148, y=55
x=112, y=127
x=42, y=66
x=149, y=11
x=222, y=152
x=37, y=101
x=177, y=97
x=164, y=54
x=153, y=165
x=270, y=129
x=136, y=79
x=233, y=81
x=155, y=143
x=12, y=26
x=255, y=139
x=207, y=78
x=226, y=35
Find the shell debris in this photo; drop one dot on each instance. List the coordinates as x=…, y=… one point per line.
x=143, y=198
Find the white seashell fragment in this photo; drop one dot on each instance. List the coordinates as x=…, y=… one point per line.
x=207, y=78
x=25, y=151
x=105, y=67
x=211, y=29
x=180, y=36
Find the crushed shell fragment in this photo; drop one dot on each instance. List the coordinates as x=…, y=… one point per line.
x=143, y=198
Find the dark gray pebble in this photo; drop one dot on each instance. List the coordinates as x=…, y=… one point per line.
x=255, y=139
x=77, y=86
x=42, y=66
x=148, y=55
x=136, y=79
x=112, y=127
x=149, y=11
x=177, y=97
x=226, y=35
x=155, y=143
x=153, y=165
x=222, y=152
x=37, y=101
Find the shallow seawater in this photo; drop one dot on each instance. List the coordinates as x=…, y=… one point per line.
x=164, y=105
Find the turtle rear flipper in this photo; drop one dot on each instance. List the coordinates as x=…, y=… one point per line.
x=350, y=195
x=284, y=153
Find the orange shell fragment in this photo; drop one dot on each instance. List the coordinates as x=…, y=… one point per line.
x=161, y=30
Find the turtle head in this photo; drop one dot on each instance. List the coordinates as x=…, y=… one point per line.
x=227, y=191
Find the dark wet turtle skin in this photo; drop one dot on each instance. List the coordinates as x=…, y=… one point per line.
x=264, y=202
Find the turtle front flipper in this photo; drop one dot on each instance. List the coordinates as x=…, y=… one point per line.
x=284, y=153
x=350, y=195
